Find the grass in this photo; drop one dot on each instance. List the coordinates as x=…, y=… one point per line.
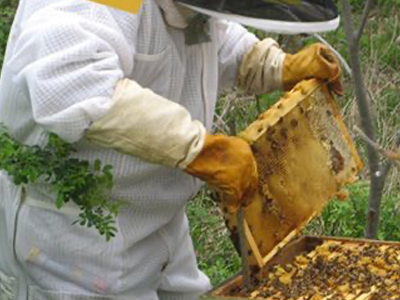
x=215, y=252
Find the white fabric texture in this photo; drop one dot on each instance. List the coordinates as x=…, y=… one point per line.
x=261, y=70
x=63, y=262
x=62, y=64
x=132, y=126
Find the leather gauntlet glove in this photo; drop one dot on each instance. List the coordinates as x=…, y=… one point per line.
x=315, y=61
x=228, y=165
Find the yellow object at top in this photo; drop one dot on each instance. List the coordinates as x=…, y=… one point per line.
x=131, y=6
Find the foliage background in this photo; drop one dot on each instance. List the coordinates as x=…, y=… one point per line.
x=380, y=47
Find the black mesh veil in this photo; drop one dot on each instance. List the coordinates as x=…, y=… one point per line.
x=294, y=11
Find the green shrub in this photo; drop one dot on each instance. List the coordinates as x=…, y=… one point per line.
x=344, y=218
x=349, y=218
x=86, y=184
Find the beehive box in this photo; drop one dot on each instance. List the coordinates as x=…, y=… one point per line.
x=324, y=268
x=305, y=157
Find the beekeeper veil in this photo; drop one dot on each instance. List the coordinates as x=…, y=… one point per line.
x=279, y=16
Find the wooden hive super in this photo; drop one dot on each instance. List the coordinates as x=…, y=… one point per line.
x=323, y=268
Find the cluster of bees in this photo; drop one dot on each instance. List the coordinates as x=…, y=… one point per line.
x=335, y=271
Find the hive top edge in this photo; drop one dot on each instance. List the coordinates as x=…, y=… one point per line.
x=281, y=16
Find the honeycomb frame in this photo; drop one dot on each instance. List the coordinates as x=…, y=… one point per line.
x=305, y=156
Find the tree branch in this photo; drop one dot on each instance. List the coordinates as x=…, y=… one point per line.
x=364, y=19
x=359, y=86
x=393, y=156
x=376, y=187
x=388, y=166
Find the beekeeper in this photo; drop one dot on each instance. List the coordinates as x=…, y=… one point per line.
x=137, y=91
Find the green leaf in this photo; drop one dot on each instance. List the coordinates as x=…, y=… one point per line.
x=97, y=165
x=86, y=185
x=59, y=201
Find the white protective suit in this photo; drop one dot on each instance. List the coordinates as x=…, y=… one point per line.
x=64, y=59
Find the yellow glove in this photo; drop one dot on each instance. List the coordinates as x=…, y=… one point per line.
x=315, y=61
x=227, y=164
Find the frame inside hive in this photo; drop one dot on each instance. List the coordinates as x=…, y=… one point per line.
x=307, y=246
x=305, y=156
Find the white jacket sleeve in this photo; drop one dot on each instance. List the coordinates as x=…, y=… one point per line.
x=255, y=65
x=235, y=42
x=69, y=63
x=146, y=125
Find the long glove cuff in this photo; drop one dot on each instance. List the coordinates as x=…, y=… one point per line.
x=261, y=69
x=143, y=124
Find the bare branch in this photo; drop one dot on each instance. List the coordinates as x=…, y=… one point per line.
x=359, y=86
x=391, y=155
x=366, y=139
x=388, y=166
x=348, y=22
x=364, y=18
x=376, y=187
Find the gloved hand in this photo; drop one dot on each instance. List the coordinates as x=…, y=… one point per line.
x=315, y=61
x=227, y=164
x=132, y=126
